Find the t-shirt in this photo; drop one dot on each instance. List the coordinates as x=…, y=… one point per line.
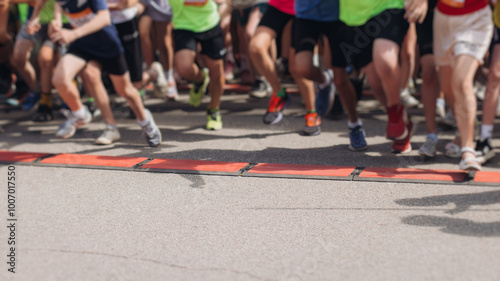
x=286, y=6
x=358, y=12
x=460, y=7
x=317, y=10
x=47, y=13
x=104, y=43
x=194, y=15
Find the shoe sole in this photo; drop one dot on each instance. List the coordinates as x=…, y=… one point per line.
x=275, y=121
x=307, y=134
x=357, y=149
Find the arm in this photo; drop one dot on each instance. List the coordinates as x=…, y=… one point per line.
x=66, y=36
x=56, y=23
x=33, y=24
x=416, y=10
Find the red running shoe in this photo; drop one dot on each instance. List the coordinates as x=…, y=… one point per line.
x=397, y=125
x=404, y=145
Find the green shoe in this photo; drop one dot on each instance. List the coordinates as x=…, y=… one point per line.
x=199, y=89
x=214, y=120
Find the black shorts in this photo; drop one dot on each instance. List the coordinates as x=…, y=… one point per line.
x=358, y=45
x=307, y=33
x=212, y=42
x=275, y=19
x=496, y=37
x=114, y=66
x=425, y=33
x=129, y=36
x=244, y=14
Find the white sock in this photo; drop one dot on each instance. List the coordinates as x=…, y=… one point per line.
x=440, y=102
x=170, y=75
x=143, y=122
x=353, y=125
x=80, y=114
x=328, y=79
x=486, y=131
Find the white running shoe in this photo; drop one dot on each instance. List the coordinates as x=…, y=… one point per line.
x=428, y=148
x=407, y=99
x=151, y=132
x=160, y=84
x=110, y=135
x=68, y=128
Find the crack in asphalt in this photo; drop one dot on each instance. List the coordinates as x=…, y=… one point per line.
x=151, y=261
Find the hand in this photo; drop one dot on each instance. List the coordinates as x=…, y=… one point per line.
x=64, y=36
x=54, y=26
x=33, y=25
x=416, y=10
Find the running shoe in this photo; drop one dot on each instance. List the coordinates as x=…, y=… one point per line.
x=198, y=90
x=440, y=108
x=172, y=93
x=275, y=109
x=30, y=101
x=151, y=132
x=407, y=99
x=43, y=114
x=403, y=145
x=397, y=124
x=261, y=89
x=110, y=135
x=313, y=124
x=448, y=119
x=325, y=98
x=160, y=84
x=428, y=149
x=214, y=120
x=357, y=141
x=470, y=163
x=484, y=150
x=68, y=128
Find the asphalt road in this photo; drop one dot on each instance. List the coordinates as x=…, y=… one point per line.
x=91, y=224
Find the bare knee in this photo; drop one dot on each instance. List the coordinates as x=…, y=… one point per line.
x=60, y=81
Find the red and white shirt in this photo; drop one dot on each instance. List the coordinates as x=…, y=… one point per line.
x=460, y=7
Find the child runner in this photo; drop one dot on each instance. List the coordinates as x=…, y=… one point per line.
x=322, y=18
x=197, y=21
x=377, y=30
x=462, y=36
x=484, y=150
x=277, y=15
x=95, y=41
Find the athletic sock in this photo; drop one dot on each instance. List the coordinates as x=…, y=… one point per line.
x=46, y=99
x=433, y=136
x=328, y=80
x=353, y=125
x=311, y=111
x=80, y=114
x=281, y=93
x=486, y=131
x=143, y=122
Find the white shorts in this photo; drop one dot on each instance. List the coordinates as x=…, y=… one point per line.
x=468, y=34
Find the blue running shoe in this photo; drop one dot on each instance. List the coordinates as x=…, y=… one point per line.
x=357, y=139
x=325, y=98
x=30, y=101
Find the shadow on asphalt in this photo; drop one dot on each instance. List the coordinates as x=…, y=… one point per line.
x=462, y=227
x=462, y=202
